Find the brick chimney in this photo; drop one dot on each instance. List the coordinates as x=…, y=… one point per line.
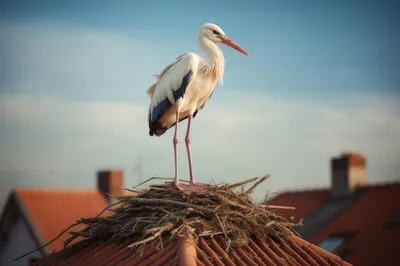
x=109, y=181
x=348, y=171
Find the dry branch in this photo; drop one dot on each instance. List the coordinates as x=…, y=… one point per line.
x=240, y=183
x=250, y=190
x=280, y=207
x=158, y=231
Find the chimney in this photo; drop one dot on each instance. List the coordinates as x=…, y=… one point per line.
x=109, y=182
x=348, y=171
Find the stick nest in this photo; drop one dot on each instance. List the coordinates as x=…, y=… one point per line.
x=163, y=212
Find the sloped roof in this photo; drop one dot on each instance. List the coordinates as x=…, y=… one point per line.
x=49, y=211
x=209, y=251
x=372, y=239
x=304, y=201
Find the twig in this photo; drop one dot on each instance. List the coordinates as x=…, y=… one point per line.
x=210, y=233
x=270, y=223
x=69, y=240
x=158, y=188
x=279, y=207
x=139, y=220
x=250, y=190
x=174, y=232
x=131, y=209
x=226, y=235
x=240, y=183
x=128, y=189
x=151, y=178
x=267, y=194
x=160, y=243
x=299, y=223
x=166, y=227
x=84, y=234
x=161, y=209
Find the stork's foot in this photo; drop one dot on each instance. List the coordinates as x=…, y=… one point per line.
x=191, y=186
x=181, y=186
x=199, y=186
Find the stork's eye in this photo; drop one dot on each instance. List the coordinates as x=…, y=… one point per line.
x=216, y=32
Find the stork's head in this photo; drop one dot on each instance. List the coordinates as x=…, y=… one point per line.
x=215, y=34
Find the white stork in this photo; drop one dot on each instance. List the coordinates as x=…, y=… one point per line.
x=183, y=88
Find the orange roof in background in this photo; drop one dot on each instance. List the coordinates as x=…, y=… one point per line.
x=374, y=242
x=304, y=201
x=209, y=251
x=52, y=210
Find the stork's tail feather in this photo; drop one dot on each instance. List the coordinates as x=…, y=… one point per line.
x=151, y=90
x=157, y=129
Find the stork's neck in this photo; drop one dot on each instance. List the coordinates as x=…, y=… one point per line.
x=216, y=63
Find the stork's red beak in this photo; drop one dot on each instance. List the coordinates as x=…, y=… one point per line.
x=229, y=42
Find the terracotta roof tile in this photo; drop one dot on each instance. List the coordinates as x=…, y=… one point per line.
x=208, y=251
x=304, y=201
x=373, y=241
x=365, y=222
x=53, y=210
x=265, y=257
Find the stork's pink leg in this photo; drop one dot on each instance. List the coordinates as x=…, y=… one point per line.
x=187, y=140
x=192, y=182
x=175, y=142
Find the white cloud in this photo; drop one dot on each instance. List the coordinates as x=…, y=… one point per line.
x=293, y=141
x=51, y=134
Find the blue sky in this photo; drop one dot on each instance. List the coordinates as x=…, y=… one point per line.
x=321, y=77
x=307, y=48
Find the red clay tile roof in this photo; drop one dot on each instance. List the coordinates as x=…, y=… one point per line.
x=209, y=251
x=52, y=210
x=374, y=242
x=304, y=201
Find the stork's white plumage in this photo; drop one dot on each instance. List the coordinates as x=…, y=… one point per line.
x=183, y=88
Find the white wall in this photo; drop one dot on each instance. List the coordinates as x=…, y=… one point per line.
x=358, y=176
x=20, y=242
